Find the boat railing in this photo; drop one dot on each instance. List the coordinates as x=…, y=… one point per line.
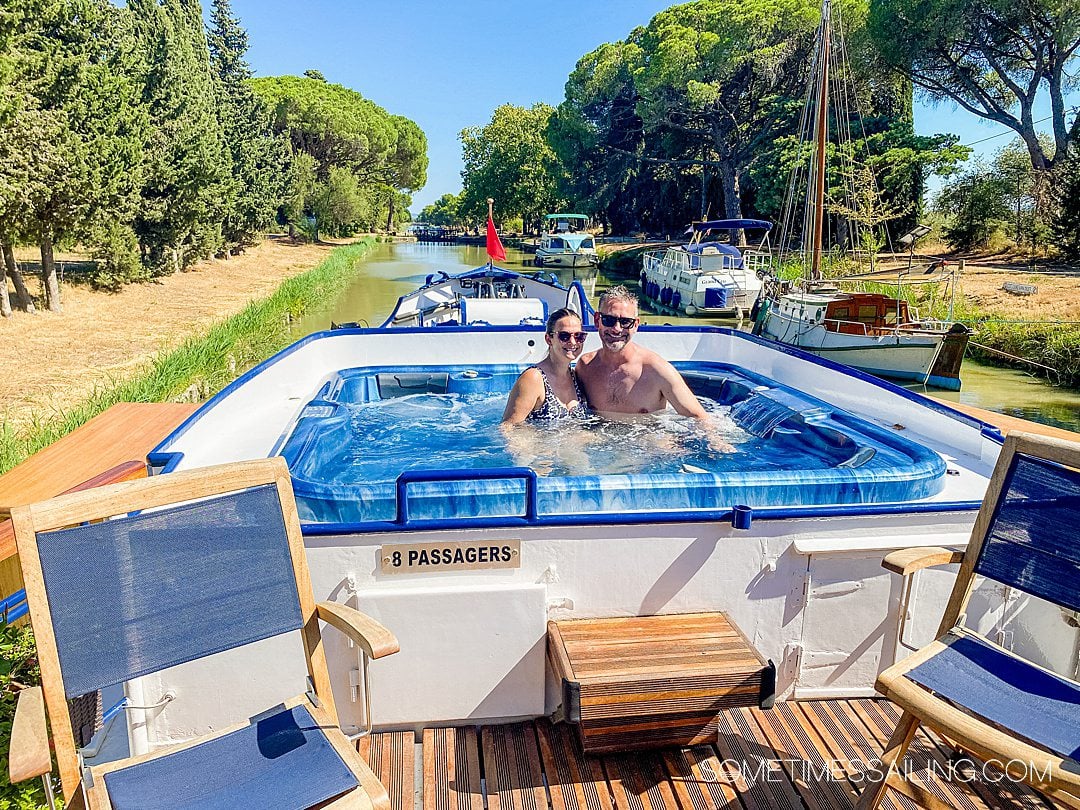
x=758, y=261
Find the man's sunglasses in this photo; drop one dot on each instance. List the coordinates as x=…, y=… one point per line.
x=610, y=320
x=566, y=337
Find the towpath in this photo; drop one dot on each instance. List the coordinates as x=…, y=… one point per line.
x=50, y=360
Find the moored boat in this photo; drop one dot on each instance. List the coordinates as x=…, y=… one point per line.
x=487, y=296
x=707, y=277
x=566, y=243
x=870, y=331
x=874, y=332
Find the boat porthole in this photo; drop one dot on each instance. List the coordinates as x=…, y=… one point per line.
x=532, y=342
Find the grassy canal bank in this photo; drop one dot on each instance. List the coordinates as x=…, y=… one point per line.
x=202, y=363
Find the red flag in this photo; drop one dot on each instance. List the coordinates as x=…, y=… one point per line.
x=494, y=247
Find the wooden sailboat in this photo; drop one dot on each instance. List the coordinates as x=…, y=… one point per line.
x=871, y=331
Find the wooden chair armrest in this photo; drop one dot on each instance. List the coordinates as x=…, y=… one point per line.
x=29, y=753
x=909, y=560
x=376, y=640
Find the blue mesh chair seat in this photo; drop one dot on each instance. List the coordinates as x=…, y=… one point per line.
x=1007, y=691
x=986, y=700
x=284, y=760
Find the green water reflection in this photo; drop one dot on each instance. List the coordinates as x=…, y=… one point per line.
x=391, y=271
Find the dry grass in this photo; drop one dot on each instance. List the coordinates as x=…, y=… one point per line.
x=51, y=360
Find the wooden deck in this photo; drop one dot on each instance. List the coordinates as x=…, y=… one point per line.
x=1006, y=424
x=806, y=755
x=125, y=432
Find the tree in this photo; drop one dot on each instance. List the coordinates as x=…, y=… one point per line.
x=977, y=207
x=340, y=129
x=722, y=78
x=254, y=189
x=1066, y=225
x=509, y=159
x=443, y=212
x=597, y=130
x=80, y=127
x=187, y=165
x=991, y=57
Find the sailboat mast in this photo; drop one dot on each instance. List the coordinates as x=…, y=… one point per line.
x=821, y=133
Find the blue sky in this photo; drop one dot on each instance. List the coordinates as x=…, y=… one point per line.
x=448, y=65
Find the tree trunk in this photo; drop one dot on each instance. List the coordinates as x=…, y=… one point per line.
x=22, y=297
x=729, y=185
x=390, y=215
x=48, y=275
x=5, y=299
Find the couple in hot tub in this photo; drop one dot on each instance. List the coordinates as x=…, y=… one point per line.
x=618, y=380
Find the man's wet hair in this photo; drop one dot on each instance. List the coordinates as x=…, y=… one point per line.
x=617, y=293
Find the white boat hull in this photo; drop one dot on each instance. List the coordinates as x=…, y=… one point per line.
x=672, y=283
x=804, y=584
x=898, y=354
x=546, y=259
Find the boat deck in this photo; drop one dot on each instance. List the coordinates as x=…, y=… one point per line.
x=806, y=754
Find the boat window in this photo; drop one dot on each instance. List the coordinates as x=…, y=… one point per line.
x=557, y=243
x=841, y=312
x=586, y=243
x=868, y=312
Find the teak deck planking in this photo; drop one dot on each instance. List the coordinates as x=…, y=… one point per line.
x=803, y=755
x=654, y=681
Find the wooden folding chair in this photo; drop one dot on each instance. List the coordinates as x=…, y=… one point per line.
x=980, y=696
x=130, y=579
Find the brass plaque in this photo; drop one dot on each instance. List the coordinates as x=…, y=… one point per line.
x=465, y=555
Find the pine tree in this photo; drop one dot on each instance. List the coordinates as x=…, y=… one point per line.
x=187, y=165
x=259, y=157
x=70, y=148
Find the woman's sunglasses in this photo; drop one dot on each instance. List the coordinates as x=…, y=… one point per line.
x=566, y=337
x=610, y=320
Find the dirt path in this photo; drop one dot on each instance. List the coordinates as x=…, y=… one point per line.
x=50, y=360
x=1057, y=298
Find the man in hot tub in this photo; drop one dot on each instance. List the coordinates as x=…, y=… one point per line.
x=622, y=379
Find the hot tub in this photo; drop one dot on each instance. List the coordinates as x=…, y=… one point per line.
x=390, y=443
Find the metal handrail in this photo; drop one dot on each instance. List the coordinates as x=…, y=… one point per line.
x=491, y=474
x=14, y=607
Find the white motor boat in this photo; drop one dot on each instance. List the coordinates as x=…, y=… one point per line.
x=566, y=243
x=488, y=296
x=707, y=277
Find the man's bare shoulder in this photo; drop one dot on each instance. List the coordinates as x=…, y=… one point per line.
x=651, y=360
x=585, y=359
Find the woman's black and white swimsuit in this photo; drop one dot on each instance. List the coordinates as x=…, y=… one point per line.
x=551, y=408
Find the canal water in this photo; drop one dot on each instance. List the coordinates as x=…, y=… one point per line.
x=392, y=270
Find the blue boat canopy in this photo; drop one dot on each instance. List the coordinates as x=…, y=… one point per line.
x=567, y=216
x=730, y=224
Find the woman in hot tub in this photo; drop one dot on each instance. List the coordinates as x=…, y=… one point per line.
x=549, y=391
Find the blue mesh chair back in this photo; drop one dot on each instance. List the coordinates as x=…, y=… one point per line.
x=168, y=586
x=1031, y=541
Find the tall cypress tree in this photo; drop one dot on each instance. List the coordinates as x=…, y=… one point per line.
x=258, y=156
x=187, y=166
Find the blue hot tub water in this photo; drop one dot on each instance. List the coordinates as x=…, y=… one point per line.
x=368, y=425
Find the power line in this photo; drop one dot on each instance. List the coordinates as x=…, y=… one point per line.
x=1012, y=132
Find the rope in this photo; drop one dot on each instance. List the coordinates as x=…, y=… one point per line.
x=1014, y=357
